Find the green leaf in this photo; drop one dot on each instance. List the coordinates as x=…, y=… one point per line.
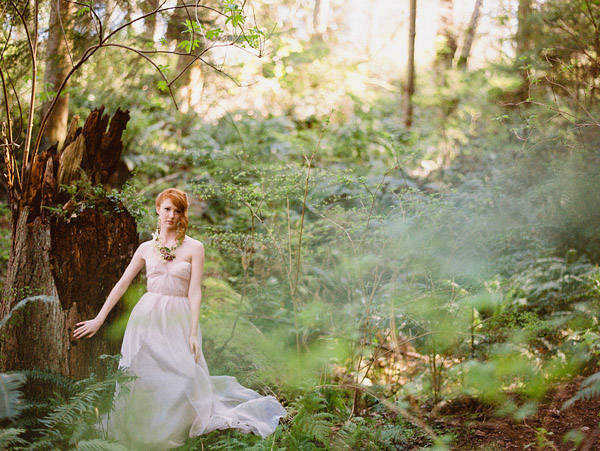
x=214, y=33
x=189, y=46
x=162, y=85
x=84, y=9
x=235, y=19
x=191, y=27
x=230, y=7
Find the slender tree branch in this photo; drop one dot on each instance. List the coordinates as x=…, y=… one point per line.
x=7, y=106
x=26, y=166
x=565, y=28
x=169, y=8
x=64, y=33
x=308, y=168
x=239, y=85
x=191, y=26
x=7, y=40
x=93, y=15
x=12, y=85
x=593, y=20
x=131, y=49
x=198, y=21
x=32, y=42
x=570, y=94
x=196, y=58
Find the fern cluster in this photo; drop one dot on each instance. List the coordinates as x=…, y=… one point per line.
x=318, y=419
x=73, y=418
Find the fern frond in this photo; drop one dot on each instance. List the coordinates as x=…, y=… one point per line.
x=100, y=445
x=11, y=437
x=345, y=438
x=23, y=303
x=80, y=432
x=591, y=379
x=78, y=406
x=52, y=379
x=590, y=388
x=316, y=426
x=42, y=445
x=11, y=402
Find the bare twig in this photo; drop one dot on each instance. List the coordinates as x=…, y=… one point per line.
x=308, y=168
x=131, y=49
x=62, y=28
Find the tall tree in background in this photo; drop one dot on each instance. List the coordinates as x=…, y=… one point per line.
x=410, y=72
x=321, y=17
x=469, y=37
x=446, y=43
x=524, y=43
x=190, y=79
x=58, y=64
x=147, y=6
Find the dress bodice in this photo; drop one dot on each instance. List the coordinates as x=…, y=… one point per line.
x=171, y=278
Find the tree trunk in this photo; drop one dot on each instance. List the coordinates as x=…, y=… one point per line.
x=58, y=64
x=75, y=256
x=321, y=17
x=148, y=6
x=469, y=36
x=524, y=43
x=410, y=73
x=445, y=40
x=191, y=82
x=524, y=38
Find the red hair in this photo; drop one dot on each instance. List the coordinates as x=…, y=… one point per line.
x=179, y=199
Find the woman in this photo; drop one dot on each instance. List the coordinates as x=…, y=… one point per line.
x=173, y=396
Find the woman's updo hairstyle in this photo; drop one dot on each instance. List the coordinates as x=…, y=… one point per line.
x=179, y=199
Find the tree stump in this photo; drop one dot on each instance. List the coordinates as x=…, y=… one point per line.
x=71, y=252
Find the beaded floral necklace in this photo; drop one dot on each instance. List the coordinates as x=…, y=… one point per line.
x=166, y=253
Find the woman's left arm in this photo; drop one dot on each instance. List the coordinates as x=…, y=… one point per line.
x=195, y=297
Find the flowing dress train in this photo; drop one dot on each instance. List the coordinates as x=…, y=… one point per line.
x=174, y=397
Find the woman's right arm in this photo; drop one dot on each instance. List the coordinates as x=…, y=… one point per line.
x=90, y=327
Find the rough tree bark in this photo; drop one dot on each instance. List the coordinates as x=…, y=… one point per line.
x=465, y=51
x=75, y=257
x=58, y=64
x=410, y=73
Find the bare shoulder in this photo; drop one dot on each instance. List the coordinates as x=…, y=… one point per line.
x=145, y=245
x=144, y=248
x=195, y=245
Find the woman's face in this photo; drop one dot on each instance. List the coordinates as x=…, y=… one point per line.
x=169, y=214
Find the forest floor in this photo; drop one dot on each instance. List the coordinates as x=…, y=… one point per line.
x=477, y=428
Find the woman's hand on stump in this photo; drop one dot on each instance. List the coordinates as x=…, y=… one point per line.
x=87, y=328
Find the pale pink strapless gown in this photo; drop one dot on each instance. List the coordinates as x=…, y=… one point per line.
x=174, y=397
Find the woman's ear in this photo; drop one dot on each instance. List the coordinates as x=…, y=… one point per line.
x=158, y=210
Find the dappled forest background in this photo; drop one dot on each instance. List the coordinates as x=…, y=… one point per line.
x=404, y=254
